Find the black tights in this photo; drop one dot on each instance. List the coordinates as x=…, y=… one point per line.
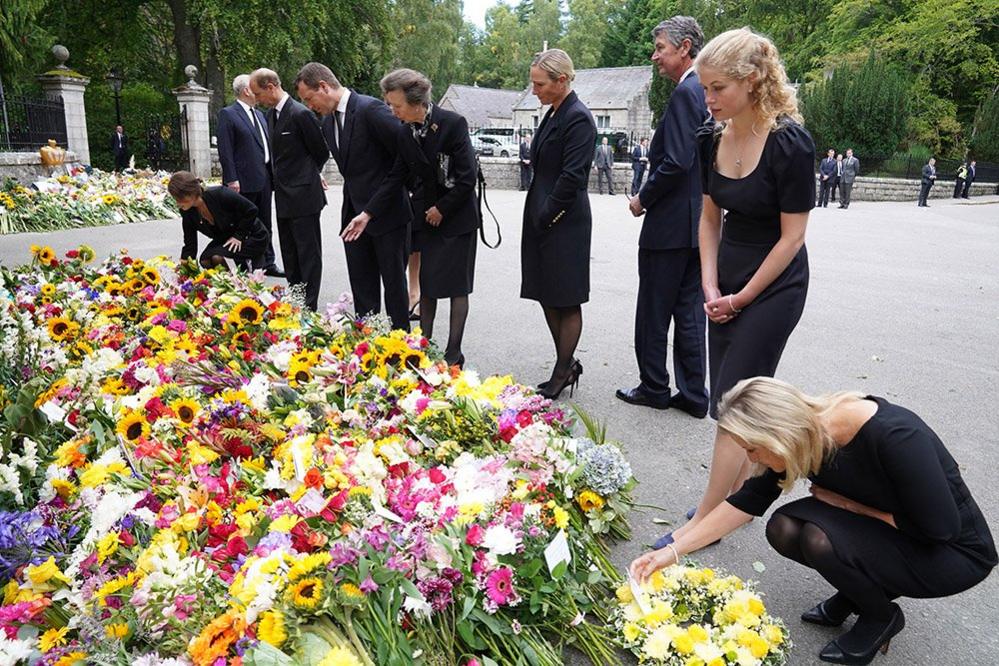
x=213, y=261
x=459, y=313
x=566, y=325
x=807, y=544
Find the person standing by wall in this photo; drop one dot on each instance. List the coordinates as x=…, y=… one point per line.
x=603, y=161
x=926, y=183
x=851, y=169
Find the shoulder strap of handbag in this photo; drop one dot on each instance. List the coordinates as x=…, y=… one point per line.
x=481, y=196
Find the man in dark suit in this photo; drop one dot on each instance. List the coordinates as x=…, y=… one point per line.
x=525, y=162
x=669, y=266
x=969, y=179
x=246, y=158
x=929, y=176
x=603, y=162
x=837, y=177
x=639, y=160
x=119, y=146
x=362, y=134
x=298, y=152
x=827, y=177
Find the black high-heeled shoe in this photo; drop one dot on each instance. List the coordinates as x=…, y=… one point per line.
x=835, y=652
x=831, y=612
x=413, y=314
x=576, y=366
x=552, y=392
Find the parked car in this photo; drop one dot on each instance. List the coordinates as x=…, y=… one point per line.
x=500, y=146
x=481, y=148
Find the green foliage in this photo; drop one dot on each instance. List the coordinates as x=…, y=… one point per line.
x=984, y=144
x=865, y=107
x=428, y=33
x=22, y=40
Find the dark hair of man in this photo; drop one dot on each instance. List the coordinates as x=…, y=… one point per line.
x=314, y=72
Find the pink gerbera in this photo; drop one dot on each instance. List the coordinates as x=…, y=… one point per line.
x=499, y=586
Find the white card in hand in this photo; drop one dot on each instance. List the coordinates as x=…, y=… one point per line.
x=640, y=597
x=558, y=551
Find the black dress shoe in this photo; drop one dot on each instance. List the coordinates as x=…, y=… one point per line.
x=831, y=612
x=859, y=646
x=274, y=272
x=637, y=396
x=684, y=405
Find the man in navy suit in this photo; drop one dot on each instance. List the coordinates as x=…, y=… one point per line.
x=827, y=177
x=298, y=152
x=639, y=160
x=669, y=267
x=246, y=158
x=362, y=135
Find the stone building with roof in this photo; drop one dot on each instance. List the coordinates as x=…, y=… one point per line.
x=481, y=107
x=618, y=97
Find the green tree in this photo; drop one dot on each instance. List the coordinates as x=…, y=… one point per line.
x=984, y=143
x=428, y=39
x=584, y=35
x=866, y=107
x=22, y=39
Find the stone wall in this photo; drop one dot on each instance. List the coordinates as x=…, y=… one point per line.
x=504, y=174
x=27, y=167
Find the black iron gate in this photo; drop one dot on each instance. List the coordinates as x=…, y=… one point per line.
x=27, y=123
x=165, y=138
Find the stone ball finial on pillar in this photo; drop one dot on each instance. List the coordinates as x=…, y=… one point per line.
x=61, y=54
x=191, y=72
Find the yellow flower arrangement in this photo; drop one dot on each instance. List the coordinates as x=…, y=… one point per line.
x=340, y=656
x=186, y=410
x=247, y=312
x=62, y=328
x=133, y=426
x=270, y=628
x=306, y=593
x=52, y=638
x=589, y=500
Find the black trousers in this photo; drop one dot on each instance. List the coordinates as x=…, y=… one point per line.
x=924, y=191
x=636, y=179
x=525, y=176
x=262, y=200
x=958, y=187
x=121, y=161
x=669, y=289
x=374, y=262
x=825, y=187
x=967, y=189
x=302, y=252
x=835, y=180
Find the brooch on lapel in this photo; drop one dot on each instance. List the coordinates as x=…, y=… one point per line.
x=434, y=127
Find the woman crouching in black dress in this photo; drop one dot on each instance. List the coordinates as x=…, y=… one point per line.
x=435, y=153
x=889, y=516
x=227, y=218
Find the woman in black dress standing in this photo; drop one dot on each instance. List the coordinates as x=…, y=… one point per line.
x=227, y=218
x=758, y=164
x=889, y=516
x=555, y=245
x=435, y=150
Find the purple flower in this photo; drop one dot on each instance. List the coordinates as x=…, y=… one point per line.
x=368, y=585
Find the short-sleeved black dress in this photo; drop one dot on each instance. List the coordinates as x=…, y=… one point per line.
x=897, y=464
x=784, y=181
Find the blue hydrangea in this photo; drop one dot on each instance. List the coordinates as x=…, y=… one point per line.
x=605, y=470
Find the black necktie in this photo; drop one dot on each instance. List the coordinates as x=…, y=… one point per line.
x=339, y=129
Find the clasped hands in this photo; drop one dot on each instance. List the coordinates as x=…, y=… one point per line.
x=720, y=309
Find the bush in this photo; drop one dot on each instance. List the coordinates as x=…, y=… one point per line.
x=866, y=108
x=138, y=102
x=984, y=144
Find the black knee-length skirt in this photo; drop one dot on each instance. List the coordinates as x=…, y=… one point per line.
x=447, y=263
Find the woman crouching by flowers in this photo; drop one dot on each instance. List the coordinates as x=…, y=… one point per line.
x=889, y=515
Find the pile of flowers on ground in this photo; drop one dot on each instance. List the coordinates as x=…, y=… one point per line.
x=195, y=471
x=689, y=616
x=84, y=200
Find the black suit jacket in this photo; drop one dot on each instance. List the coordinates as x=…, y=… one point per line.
x=444, y=169
x=298, y=153
x=672, y=194
x=114, y=143
x=929, y=174
x=241, y=150
x=525, y=152
x=234, y=216
x=561, y=154
x=365, y=156
x=827, y=167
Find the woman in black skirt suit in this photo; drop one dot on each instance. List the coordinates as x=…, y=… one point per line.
x=889, y=515
x=555, y=245
x=436, y=152
x=758, y=165
x=227, y=218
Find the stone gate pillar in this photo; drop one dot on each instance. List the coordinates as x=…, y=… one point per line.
x=194, y=100
x=69, y=86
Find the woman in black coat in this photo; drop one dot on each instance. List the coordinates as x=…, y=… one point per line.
x=555, y=245
x=889, y=515
x=436, y=156
x=227, y=218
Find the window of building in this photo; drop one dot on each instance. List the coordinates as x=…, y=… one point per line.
x=603, y=121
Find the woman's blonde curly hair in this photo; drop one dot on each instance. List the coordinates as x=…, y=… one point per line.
x=739, y=54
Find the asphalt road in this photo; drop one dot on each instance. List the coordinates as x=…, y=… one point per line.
x=903, y=303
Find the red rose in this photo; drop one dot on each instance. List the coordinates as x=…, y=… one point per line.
x=474, y=535
x=236, y=546
x=524, y=418
x=436, y=475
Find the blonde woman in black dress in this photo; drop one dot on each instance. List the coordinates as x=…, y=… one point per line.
x=758, y=166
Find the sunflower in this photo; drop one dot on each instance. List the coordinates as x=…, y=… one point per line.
x=351, y=594
x=133, y=427
x=299, y=373
x=150, y=275
x=271, y=629
x=589, y=500
x=185, y=409
x=306, y=593
x=246, y=313
x=46, y=255
x=114, y=289
x=48, y=289
x=52, y=638
x=62, y=328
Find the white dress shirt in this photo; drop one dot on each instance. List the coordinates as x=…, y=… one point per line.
x=341, y=111
x=255, y=122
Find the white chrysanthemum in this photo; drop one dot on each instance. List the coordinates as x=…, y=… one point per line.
x=657, y=645
x=500, y=540
x=258, y=389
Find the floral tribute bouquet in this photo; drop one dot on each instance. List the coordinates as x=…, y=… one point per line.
x=194, y=470
x=83, y=200
x=688, y=616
